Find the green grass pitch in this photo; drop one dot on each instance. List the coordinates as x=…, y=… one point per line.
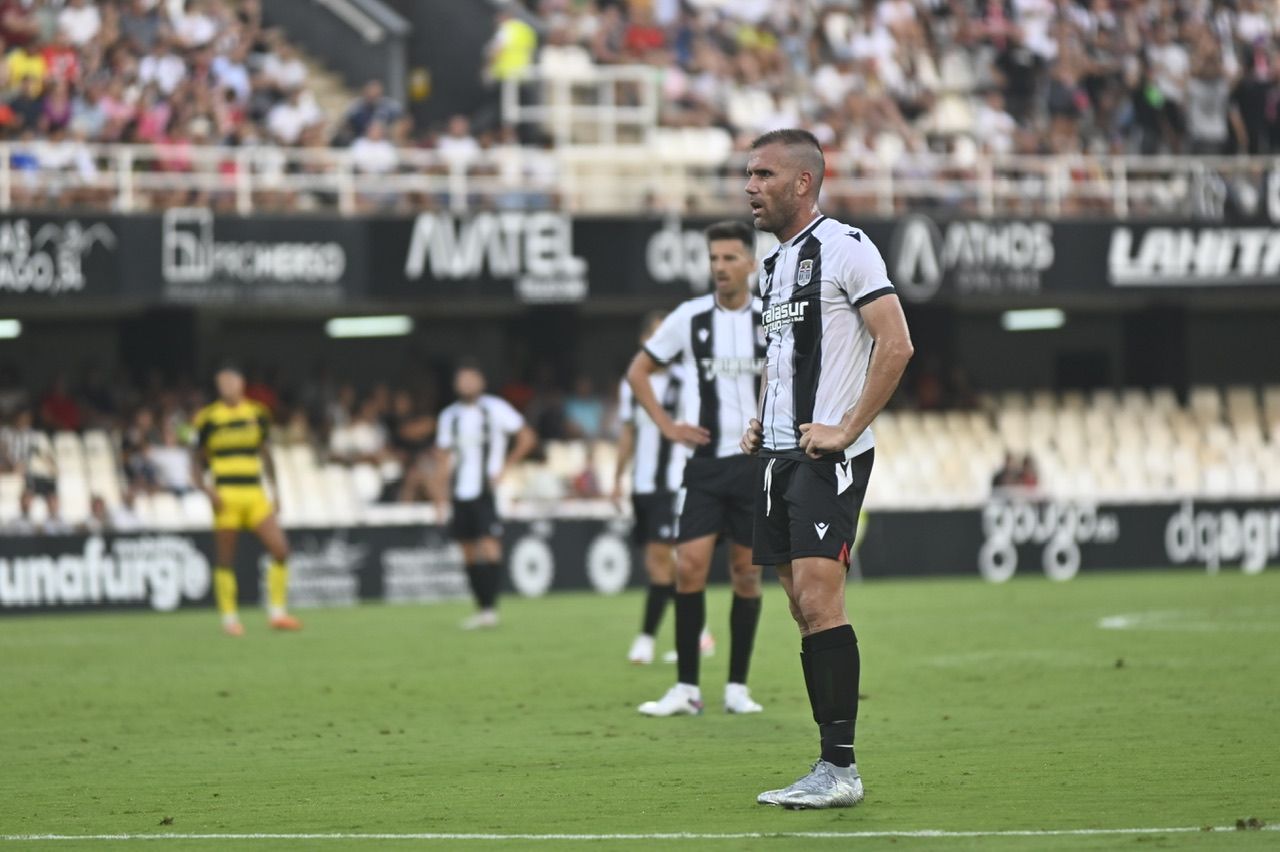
x=987, y=708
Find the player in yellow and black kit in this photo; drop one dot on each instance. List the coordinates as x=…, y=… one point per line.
x=232, y=444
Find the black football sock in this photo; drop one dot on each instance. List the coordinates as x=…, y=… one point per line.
x=655, y=603
x=487, y=583
x=495, y=583
x=476, y=580
x=691, y=615
x=744, y=618
x=835, y=665
x=808, y=683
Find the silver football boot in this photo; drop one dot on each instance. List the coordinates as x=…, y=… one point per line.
x=826, y=786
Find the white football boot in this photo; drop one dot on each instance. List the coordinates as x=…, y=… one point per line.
x=737, y=699
x=485, y=619
x=826, y=786
x=641, y=653
x=681, y=700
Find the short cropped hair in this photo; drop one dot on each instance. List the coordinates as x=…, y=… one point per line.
x=787, y=136
x=732, y=229
x=468, y=362
x=794, y=137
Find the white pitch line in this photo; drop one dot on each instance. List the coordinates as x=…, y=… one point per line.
x=748, y=835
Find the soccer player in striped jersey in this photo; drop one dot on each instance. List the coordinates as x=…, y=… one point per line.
x=717, y=340
x=472, y=437
x=837, y=346
x=655, y=479
x=231, y=436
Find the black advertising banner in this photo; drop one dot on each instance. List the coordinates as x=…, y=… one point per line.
x=552, y=257
x=61, y=260
x=191, y=256
x=539, y=257
x=414, y=564
x=328, y=567
x=201, y=258
x=1061, y=538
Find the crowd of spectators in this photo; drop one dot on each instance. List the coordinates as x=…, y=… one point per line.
x=388, y=426
x=1011, y=76
x=874, y=78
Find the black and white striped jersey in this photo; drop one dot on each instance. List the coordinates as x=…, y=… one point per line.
x=819, y=349
x=477, y=433
x=657, y=464
x=723, y=354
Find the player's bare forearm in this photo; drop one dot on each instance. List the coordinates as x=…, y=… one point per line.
x=440, y=482
x=525, y=441
x=638, y=376
x=269, y=467
x=893, y=350
x=882, y=380
x=753, y=437
x=198, y=468
x=269, y=464
x=626, y=448
x=889, y=358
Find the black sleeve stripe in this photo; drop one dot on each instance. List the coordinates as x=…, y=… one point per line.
x=662, y=361
x=873, y=295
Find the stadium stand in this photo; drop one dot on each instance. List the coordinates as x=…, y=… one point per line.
x=140, y=104
x=1112, y=446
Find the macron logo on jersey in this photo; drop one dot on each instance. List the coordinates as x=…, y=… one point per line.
x=779, y=316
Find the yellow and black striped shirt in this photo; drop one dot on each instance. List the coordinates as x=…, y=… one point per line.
x=231, y=438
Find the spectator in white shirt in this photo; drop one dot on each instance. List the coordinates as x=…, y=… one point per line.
x=231, y=71
x=993, y=125
x=283, y=68
x=163, y=67
x=172, y=463
x=457, y=145
x=373, y=153
x=195, y=27
x=79, y=21
x=289, y=118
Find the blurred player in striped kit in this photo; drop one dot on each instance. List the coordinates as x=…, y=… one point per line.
x=657, y=469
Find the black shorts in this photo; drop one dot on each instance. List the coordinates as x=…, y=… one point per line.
x=42, y=486
x=475, y=519
x=808, y=508
x=655, y=517
x=716, y=499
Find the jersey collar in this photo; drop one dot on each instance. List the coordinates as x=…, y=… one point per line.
x=715, y=300
x=805, y=232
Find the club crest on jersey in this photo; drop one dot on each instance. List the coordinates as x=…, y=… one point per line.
x=703, y=334
x=804, y=273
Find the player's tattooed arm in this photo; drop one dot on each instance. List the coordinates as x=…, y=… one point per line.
x=893, y=349
x=642, y=367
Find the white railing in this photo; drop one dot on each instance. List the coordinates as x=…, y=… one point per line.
x=584, y=104
x=657, y=176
